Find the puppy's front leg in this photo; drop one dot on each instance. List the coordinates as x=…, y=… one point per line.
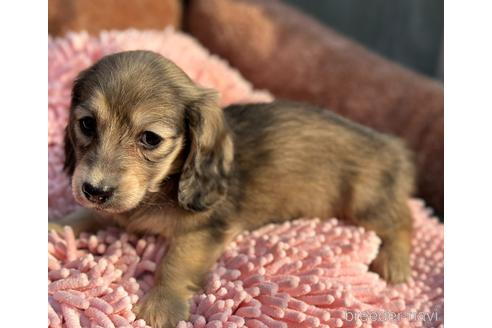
x=179, y=275
x=80, y=220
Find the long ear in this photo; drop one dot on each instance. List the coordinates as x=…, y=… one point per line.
x=69, y=164
x=204, y=178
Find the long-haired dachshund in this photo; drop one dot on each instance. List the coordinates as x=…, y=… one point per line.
x=153, y=152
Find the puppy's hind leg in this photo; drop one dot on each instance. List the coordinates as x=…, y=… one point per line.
x=392, y=223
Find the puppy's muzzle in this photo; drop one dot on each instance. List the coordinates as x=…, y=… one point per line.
x=97, y=195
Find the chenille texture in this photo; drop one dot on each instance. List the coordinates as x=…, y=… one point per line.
x=305, y=273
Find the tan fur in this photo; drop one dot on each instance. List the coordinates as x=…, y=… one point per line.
x=219, y=172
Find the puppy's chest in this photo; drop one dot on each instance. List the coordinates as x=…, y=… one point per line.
x=164, y=221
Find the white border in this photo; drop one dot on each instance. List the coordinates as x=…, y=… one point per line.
x=23, y=128
x=468, y=163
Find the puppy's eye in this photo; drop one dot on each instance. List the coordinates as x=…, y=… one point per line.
x=150, y=140
x=88, y=126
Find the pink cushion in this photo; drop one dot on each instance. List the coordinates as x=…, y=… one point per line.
x=307, y=273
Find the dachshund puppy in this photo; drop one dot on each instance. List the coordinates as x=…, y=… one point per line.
x=153, y=152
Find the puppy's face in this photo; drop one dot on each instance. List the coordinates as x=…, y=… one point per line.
x=133, y=122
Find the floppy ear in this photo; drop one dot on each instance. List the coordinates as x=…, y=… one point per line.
x=69, y=164
x=204, y=178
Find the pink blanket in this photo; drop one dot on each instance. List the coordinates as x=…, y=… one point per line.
x=307, y=273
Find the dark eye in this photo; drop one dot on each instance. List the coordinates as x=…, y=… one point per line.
x=88, y=126
x=150, y=140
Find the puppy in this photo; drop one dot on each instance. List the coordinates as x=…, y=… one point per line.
x=153, y=152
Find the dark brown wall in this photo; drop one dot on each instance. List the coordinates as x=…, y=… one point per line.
x=407, y=31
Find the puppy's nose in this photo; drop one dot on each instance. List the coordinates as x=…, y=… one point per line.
x=97, y=195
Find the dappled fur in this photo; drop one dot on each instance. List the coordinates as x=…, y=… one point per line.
x=218, y=173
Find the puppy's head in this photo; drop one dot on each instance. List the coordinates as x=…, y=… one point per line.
x=136, y=119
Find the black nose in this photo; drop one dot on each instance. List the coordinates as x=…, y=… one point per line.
x=97, y=195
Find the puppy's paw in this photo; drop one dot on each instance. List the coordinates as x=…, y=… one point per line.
x=392, y=264
x=53, y=226
x=161, y=309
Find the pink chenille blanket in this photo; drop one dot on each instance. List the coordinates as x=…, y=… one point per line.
x=306, y=273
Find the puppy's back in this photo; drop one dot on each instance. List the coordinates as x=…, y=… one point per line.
x=294, y=160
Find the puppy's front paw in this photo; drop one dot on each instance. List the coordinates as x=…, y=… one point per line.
x=161, y=309
x=392, y=264
x=53, y=226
